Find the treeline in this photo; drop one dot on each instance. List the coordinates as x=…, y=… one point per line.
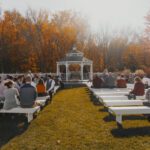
x=38, y=40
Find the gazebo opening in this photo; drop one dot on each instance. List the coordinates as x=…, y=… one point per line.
x=74, y=72
x=75, y=67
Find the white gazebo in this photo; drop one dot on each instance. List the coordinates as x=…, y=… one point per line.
x=75, y=57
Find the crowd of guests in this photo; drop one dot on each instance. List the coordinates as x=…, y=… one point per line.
x=22, y=90
x=109, y=80
x=112, y=80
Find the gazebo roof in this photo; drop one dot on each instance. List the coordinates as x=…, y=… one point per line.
x=74, y=55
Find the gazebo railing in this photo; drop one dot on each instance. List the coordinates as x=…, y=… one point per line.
x=75, y=76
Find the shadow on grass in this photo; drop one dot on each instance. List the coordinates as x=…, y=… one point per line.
x=103, y=109
x=130, y=132
x=93, y=98
x=11, y=126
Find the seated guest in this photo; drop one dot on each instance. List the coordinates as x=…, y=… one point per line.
x=28, y=94
x=97, y=82
x=2, y=88
x=121, y=82
x=10, y=95
x=41, y=89
x=138, y=90
x=110, y=81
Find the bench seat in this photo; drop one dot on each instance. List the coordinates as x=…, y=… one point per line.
x=133, y=110
x=110, y=103
x=119, y=97
x=20, y=110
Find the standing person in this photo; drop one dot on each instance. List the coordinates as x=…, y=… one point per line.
x=50, y=84
x=28, y=94
x=30, y=74
x=60, y=82
x=11, y=95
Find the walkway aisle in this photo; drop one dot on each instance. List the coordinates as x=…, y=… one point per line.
x=72, y=122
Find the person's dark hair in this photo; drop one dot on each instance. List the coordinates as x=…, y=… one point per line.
x=10, y=77
x=15, y=79
x=49, y=76
x=9, y=84
x=122, y=76
x=41, y=81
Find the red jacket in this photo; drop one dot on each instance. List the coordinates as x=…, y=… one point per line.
x=97, y=82
x=138, y=89
x=121, y=83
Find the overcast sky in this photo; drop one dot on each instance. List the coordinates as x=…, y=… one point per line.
x=115, y=14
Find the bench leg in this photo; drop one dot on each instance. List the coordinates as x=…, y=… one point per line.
x=30, y=117
x=119, y=121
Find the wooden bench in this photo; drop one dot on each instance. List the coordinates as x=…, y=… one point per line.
x=134, y=110
x=20, y=110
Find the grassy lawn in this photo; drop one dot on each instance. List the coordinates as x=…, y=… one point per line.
x=73, y=122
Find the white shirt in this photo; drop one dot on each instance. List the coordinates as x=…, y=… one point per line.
x=52, y=85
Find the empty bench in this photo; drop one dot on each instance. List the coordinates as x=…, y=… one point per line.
x=110, y=103
x=20, y=110
x=134, y=110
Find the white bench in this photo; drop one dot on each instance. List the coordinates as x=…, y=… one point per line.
x=20, y=110
x=112, y=93
x=134, y=110
x=56, y=88
x=42, y=100
x=113, y=97
x=102, y=99
x=111, y=103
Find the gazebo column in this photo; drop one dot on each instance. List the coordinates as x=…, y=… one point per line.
x=58, y=69
x=66, y=71
x=82, y=71
x=91, y=72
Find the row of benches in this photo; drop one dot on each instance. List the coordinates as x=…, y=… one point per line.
x=29, y=111
x=118, y=104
